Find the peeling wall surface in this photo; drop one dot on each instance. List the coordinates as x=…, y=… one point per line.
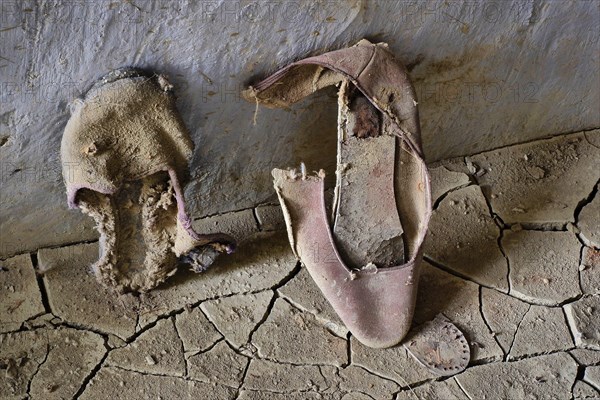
x=487, y=74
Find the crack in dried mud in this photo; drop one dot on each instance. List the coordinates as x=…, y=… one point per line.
x=94, y=371
x=512, y=342
x=185, y=360
x=40, y=282
x=485, y=321
x=39, y=365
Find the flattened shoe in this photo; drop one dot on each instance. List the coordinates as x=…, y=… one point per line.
x=125, y=153
x=366, y=258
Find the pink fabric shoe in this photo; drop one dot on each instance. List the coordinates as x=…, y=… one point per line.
x=365, y=259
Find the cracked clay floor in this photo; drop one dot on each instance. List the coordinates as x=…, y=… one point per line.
x=512, y=259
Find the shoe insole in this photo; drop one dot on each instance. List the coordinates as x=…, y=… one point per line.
x=138, y=228
x=367, y=227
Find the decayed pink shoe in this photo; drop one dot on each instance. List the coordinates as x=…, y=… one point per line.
x=366, y=259
x=125, y=153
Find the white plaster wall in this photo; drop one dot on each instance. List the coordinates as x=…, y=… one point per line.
x=488, y=74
